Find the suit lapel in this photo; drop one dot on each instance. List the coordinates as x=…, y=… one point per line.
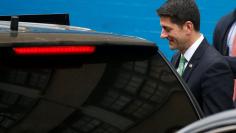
x=175, y=60
x=194, y=61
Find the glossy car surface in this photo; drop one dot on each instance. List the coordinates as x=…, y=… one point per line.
x=124, y=86
x=224, y=122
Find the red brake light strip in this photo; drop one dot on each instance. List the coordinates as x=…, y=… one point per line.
x=54, y=50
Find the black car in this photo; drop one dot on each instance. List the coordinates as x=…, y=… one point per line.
x=65, y=79
x=224, y=122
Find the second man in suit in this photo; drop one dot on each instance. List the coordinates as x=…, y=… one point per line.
x=224, y=40
x=205, y=71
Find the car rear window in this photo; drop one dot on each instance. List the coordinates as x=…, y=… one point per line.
x=111, y=97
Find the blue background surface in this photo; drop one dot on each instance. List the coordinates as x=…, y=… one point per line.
x=129, y=17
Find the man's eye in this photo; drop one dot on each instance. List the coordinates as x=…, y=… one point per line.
x=167, y=29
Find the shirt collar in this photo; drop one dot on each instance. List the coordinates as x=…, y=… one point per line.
x=190, y=51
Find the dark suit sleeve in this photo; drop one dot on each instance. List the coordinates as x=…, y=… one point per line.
x=232, y=63
x=216, y=37
x=218, y=88
x=220, y=35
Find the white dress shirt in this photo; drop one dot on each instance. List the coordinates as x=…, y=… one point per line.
x=231, y=36
x=191, y=50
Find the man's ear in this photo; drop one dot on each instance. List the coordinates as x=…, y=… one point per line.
x=188, y=26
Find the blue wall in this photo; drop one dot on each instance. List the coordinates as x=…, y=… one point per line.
x=130, y=17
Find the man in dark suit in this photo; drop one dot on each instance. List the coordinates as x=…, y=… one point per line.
x=224, y=40
x=205, y=71
x=221, y=33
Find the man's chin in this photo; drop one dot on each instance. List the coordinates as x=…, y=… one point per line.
x=172, y=47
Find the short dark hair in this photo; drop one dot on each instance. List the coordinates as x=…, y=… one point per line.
x=181, y=11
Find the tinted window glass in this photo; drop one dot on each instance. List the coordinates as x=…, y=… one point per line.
x=133, y=97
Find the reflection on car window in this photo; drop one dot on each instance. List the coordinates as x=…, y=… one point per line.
x=19, y=91
x=132, y=97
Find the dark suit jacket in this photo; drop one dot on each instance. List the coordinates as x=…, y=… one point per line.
x=220, y=38
x=232, y=63
x=210, y=79
x=221, y=32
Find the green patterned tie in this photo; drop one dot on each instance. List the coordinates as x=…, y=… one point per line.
x=182, y=62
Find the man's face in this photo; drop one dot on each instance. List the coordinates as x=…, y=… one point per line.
x=175, y=34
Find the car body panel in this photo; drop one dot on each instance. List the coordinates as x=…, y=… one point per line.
x=220, y=123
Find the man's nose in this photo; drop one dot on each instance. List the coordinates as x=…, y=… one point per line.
x=163, y=34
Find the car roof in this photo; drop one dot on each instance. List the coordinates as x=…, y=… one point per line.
x=64, y=33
